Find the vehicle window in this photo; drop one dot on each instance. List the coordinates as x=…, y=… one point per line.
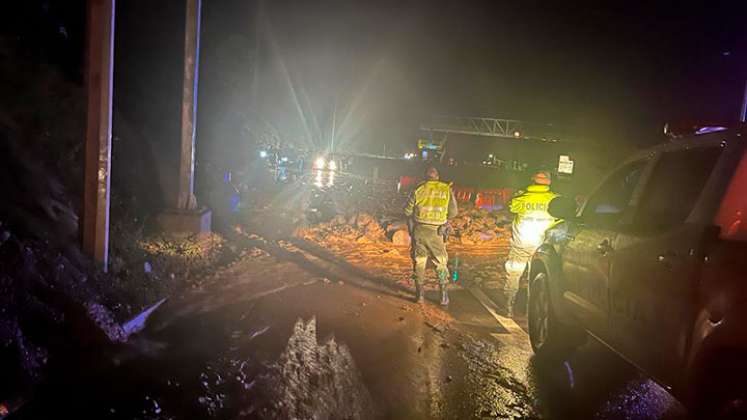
x=676, y=184
x=611, y=201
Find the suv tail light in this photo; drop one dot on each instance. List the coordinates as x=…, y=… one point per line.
x=732, y=215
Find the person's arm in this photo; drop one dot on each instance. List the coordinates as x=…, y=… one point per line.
x=453, y=210
x=410, y=206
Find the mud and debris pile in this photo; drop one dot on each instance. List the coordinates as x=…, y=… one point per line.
x=200, y=250
x=379, y=243
x=55, y=303
x=474, y=225
x=145, y=268
x=50, y=308
x=358, y=228
x=50, y=295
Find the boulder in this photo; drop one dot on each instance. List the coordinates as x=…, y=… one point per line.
x=401, y=238
x=487, y=235
x=395, y=226
x=363, y=220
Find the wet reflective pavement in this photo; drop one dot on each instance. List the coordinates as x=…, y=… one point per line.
x=271, y=340
x=276, y=338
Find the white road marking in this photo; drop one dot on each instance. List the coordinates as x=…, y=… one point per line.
x=507, y=323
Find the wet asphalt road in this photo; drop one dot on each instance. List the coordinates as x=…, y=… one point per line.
x=269, y=339
x=272, y=340
x=501, y=379
x=279, y=337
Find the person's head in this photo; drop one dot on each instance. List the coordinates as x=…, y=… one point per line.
x=542, y=178
x=431, y=174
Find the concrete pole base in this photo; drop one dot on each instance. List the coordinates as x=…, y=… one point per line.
x=185, y=221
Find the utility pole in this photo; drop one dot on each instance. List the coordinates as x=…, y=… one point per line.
x=97, y=176
x=184, y=216
x=185, y=197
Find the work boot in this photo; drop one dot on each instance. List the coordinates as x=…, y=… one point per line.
x=444, y=296
x=419, y=295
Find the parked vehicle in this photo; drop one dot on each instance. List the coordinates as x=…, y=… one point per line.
x=654, y=265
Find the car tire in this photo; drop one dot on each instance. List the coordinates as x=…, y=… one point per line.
x=550, y=338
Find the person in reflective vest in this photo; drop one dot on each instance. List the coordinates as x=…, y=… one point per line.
x=531, y=220
x=429, y=208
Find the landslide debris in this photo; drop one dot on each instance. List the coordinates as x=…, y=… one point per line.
x=472, y=226
x=50, y=296
x=55, y=304
x=372, y=235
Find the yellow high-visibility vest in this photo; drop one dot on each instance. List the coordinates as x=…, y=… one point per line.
x=533, y=204
x=432, y=202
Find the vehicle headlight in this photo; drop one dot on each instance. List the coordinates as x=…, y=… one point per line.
x=332, y=165
x=319, y=163
x=263, y=154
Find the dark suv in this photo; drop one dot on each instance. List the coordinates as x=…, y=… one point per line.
x=654, y=265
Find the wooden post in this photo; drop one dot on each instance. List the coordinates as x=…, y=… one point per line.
x=184, y=216
x=99, y=68
x=185, y=196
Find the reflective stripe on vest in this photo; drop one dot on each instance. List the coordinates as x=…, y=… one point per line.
x=532, y=205
x=432, y=202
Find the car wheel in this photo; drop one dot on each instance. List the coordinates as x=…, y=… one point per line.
x=549, y=337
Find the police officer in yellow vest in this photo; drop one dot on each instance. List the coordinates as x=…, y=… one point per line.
x=531, y=220
x=430, y=207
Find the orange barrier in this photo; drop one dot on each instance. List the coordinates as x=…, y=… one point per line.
x=489, y=199
x=485, y=201
x=493, y=199
x=463, y=194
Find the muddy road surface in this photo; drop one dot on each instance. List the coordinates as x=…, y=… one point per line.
x=274, y=339
x=285, y=333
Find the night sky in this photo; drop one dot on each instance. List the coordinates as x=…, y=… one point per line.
x=604, y=73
